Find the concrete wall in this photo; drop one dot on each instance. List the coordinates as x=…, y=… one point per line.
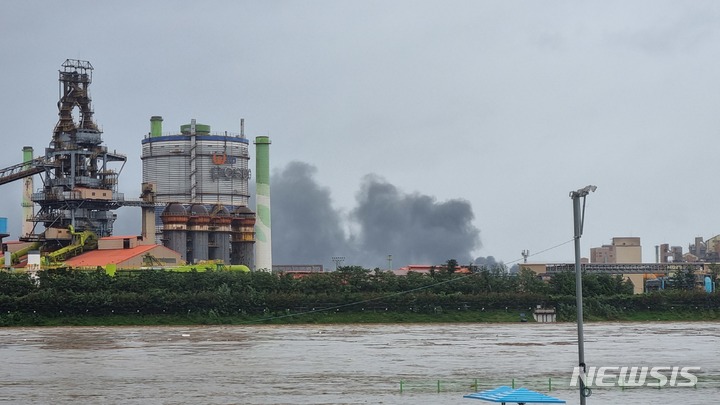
x=638, y=281
x=117, y=242
x=627, y=250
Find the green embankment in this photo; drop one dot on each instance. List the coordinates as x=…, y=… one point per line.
x=660, y=316
x=213, y=318
x=67, y=297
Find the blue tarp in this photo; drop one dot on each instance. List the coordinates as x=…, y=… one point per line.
x=505, y=394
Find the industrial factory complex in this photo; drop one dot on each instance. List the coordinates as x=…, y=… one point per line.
x=194, y=202
x=624, y=257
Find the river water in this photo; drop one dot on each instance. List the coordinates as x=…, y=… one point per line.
x=343, y=364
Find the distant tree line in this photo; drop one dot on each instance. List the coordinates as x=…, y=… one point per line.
x=65, y=292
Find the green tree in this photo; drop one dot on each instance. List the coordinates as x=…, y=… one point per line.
x=529, y=282
x=354, y=278
x=414, y=280
x=684, y=279
x=451, y=266
x=562, y=283
x=16, y=284
x=384, y=281
x=318, y=283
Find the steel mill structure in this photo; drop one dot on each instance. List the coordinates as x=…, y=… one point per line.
x=202, y=180
x=194, y=198
x=79, y=189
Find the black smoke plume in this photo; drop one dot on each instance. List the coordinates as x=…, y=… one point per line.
x=413, y=228
x=306, y=229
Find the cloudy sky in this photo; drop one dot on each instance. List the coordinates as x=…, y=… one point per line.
x=488, y=112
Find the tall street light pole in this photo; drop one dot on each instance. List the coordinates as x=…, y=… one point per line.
x=579, y=219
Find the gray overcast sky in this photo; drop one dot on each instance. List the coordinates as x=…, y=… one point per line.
x=508, y=105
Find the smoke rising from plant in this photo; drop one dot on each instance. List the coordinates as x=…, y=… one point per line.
x=305, y=227
x=413, y=228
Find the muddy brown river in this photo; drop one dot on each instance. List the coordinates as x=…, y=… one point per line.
x=343, y=364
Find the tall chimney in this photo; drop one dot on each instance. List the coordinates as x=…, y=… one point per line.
x=27, y=205
x=156, y=126
x=148, y=214
x=263, y=244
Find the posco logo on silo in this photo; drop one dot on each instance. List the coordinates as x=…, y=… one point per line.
x=657, y=377
x=227, y=173
x=222, y=158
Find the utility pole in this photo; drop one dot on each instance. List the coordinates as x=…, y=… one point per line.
x=579, y=219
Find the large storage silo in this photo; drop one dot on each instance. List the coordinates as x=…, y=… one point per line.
x=197, y=168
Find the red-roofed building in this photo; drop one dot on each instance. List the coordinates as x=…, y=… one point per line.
x=125, y=253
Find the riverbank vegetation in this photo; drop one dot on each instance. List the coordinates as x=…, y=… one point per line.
x=351, y=294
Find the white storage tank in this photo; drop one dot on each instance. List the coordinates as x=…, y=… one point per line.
x=196, y=166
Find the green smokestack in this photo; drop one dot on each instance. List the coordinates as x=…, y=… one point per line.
x=27, y=154
x=155, y=126
x=263, y=244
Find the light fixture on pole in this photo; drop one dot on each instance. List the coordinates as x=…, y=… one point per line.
x=579, y=219
x=338, y=261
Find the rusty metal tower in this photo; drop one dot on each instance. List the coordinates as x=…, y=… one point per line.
x=79, y=189
x=75, y=78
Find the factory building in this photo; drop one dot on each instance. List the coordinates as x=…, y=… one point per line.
x=623, y=257
x=195, y=191
x=201, y=181
x=700, y=251
x=622, y=250
x=124, y=252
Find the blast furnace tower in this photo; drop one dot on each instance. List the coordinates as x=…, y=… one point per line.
x=80, y=190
